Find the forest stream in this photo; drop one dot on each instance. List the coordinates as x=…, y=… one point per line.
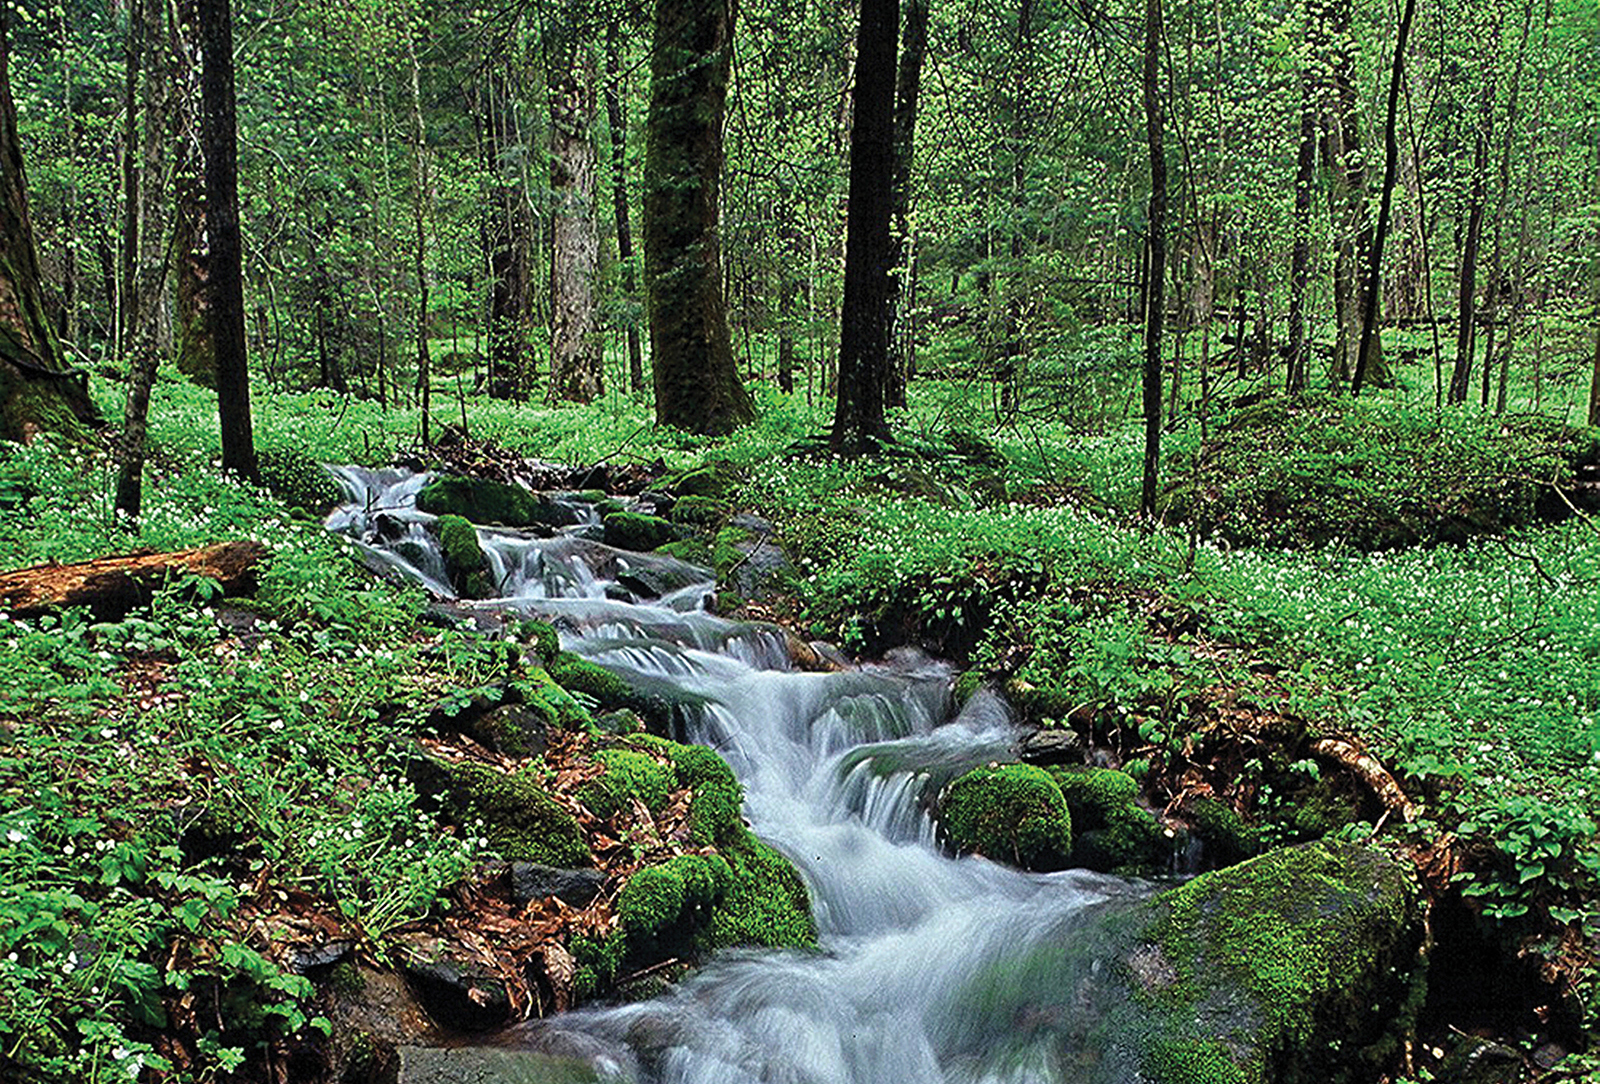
x=922, y=971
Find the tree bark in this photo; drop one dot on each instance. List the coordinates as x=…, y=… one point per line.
x=1156, y=244
x=617, y=121
x=1461, y=375
x=697, y=384
x=419, y=205
x=506, y=238
x=1374, y=293
x=1300, y=259
x=908, y=82
x=196, y=353
x=148, y=227
x=222, y=226
x=577, y=358
x=38, y=391
x=112, y=586
x=858, y=421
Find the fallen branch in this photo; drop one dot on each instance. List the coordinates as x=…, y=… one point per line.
x=1370, y=771
x=112, y=586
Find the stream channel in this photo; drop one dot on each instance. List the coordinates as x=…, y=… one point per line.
x=929, y=966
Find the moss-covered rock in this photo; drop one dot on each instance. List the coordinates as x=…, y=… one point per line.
x=636, y=531
x=542, y=637
x=520, y=819
x=464, y=559
x=665, y=710
x=717, y=480
x=699, y=511
x=693, y=550
x=628, y=775
x=298, y=480
x=968, y=683
x=579, y=675
x=1222, y=831
x=1296, y=967
x=1012, y=813
x=1110, y=832
x=483, y=501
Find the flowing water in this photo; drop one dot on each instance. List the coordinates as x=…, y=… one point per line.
x=932, y=970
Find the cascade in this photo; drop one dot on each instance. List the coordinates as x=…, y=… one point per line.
x=929, y=966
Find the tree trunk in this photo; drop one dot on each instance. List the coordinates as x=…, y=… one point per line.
x=1156, y=243
x=617, y=121
x=149, y=230
x=858, y=421
x=1374, y=292
x=1496, y=284
x=222, y=226
x=577, y=357
x=38, y=391
x=419, y=206
x=913, y=49
x=196, y=352
x=1300, y=260
x=1461, y=376
x=506, y=239
x=696, y=381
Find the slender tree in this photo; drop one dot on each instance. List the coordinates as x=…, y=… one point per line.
x=196, y=351
x=1156, y=245
x=858, y=420
x=1300, y=258
x=617, y=121
x=696, y=381
x=1374, y=294
x=39, y=391
x=506, y=238
x=908, y=84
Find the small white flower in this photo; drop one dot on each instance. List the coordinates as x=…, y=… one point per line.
x=16, y=835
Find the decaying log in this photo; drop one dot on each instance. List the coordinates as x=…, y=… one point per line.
x=1370, y=771
x=113, y=586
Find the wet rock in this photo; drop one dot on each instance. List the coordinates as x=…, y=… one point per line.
x=1052, y=747
x=311, y=957
x=483, y=502
x=489, y=1065
x=1480, y=1061
x=459, y=993
x=636, y=531
x=750, y=558
x=1012, y=813
x=574, y=887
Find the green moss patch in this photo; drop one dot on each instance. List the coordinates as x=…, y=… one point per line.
x=521, y=821
x=464, y=558
x=1013, y=813
x=1110, y=830
x=484, y=501
x=628, y=775
x=638, y=532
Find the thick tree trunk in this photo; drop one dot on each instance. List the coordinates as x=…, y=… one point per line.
x=506, y=238
x=222, y=226
x=149, y=229
x=38, y=391
x=577, y=357
x=196, y=350
x=696, y=381
x=858, y=421
x=1156, y=243
x=617, y=121
x=913, y=49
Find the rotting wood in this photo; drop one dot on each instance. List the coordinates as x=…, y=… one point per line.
x=1371, y=772
x=112, y=586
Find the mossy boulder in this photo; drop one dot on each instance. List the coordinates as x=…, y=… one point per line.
x=717, y=480
x=1222, y=831
x=629, y=775
x=542, y=637
x=664, y=709
x=483, y=501
x=520, y=819
x=464, y=559
x=1299, y=966
x=1110, y=831
x=637, y=531
x=1012, y=813
x=698, y=511
x=298, y=480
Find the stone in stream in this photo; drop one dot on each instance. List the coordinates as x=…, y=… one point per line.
x=482, y=501
x=1302, y=966
x=1056, y=746
x=460, y=994
x=489, y=1065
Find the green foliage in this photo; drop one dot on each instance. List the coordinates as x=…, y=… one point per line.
x=1544, y=860
x=1369, y=473
x=1012, y=813
x=628, y=776
x=298, y=480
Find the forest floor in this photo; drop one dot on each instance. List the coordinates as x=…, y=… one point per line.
x=1363, y=620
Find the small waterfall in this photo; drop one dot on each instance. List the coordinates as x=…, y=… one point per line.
x=928, y=971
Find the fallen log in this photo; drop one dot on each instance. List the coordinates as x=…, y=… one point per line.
x=113, y=586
